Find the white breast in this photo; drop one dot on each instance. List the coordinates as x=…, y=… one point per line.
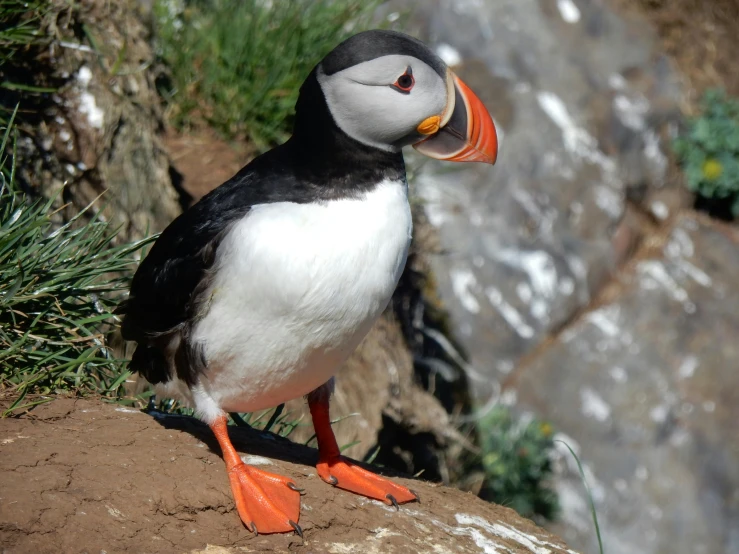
x=296, y=288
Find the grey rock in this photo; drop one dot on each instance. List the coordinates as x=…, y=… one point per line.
x=646, y=389
x=631, y=356
x=582, y=105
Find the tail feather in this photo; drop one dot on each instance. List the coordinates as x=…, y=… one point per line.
x=150, y=362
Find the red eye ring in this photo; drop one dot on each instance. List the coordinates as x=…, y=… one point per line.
x=405, y=82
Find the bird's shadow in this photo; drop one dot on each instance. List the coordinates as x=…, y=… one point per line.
x=250, y=441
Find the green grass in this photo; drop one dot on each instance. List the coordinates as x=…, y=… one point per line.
x=20, y=25
x=593, y=514
x=59, y=284
x=238, y=64
x=22, y=41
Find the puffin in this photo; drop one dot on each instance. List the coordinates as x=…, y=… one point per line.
x=259, y=292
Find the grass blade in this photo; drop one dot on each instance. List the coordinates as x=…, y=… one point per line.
x=590, y=495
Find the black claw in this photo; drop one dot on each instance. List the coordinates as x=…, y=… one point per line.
x=298, y=529
x=294, y=487
x=394, y=502
x=253, y=529
x=332, y=480
x=414, y=493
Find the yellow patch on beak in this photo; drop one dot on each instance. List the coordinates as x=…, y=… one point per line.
x=430, y=125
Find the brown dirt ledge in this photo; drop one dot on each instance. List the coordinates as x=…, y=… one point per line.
x=83, y=476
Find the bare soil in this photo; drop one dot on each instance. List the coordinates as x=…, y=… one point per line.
x=203, y=160
x=701, y=36
x=84, y=476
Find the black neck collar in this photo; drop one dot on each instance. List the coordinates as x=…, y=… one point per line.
x=324, y=155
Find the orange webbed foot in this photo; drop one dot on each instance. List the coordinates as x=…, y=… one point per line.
x=344, y=474
x=266, y=502
x=341, y=472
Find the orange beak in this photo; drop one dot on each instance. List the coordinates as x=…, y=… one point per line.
x=469, y=133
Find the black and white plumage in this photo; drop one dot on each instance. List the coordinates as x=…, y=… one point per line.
x=260, y=291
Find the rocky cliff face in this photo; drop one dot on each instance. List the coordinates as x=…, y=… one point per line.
x=81, y=476
x=583, y=106
x=643, y=384
x=579, y=281
x=98, y=134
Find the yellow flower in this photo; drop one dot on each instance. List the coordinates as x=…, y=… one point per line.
x=712, y=169
x=546, y=429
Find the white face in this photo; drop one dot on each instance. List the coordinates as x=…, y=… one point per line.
x=367, y=105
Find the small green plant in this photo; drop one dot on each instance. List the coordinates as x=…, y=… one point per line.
x=516, y=457
x=58, y=287
x=239, y=64
x=709, y=151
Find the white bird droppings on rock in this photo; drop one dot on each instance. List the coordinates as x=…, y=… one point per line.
x=577, y=141
x=618, y=374
x=593, y=405
x=631, y=111
x=538, y=266
x=616, y=81
x=531, y=542
x=659, y=210
x=448, y=54
x=653, y=152
x=568, y=10
x=566, y=286
x=524, y=292
x=256, y=460
x=654, y=270
x=606, y=320
x=509, y=397
x=659, y=413
x=88, y=106
x=509, y=313
x=695, y=273
x=462, y=281
x=84, y=76
x=610, y=201
x=679, y=244
x=687, y=367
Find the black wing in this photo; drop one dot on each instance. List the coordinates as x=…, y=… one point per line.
x=168, y=284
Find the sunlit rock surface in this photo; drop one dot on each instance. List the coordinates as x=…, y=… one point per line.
x=580, y=101
x=580, y=285
x=645, y=387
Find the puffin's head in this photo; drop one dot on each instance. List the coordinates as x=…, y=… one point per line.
x=387, y=90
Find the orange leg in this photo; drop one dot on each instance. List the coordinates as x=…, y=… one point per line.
x=342, y=473
x=267, y=503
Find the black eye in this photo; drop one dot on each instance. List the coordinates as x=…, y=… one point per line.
x=405, y=82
